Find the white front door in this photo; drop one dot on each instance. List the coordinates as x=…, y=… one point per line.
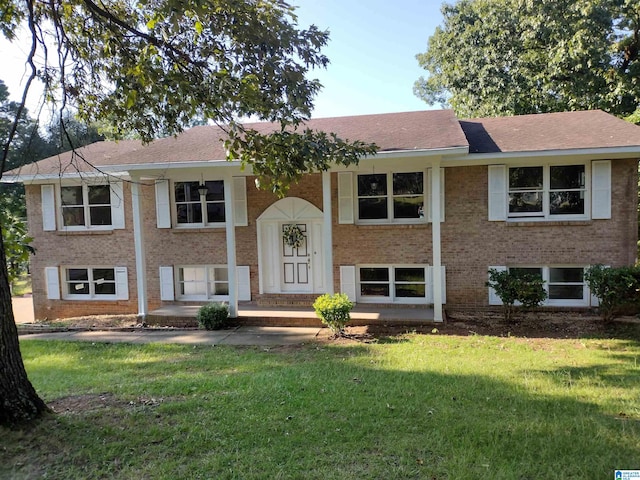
x=296, y=259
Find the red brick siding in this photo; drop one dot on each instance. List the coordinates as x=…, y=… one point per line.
x=470, y=243
x=55, y=249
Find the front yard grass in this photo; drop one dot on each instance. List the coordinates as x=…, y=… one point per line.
x=414, y=406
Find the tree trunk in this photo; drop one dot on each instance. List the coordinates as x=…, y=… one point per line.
x=19, y=401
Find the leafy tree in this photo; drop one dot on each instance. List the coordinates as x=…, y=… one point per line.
x=16, y=243
x=512, y=57
x=151, y=67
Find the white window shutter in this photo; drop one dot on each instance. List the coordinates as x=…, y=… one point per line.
x=494, y=299
x=48, y=195
x=601, y=189
x=348, y=281
x=240, y=202
x=244, y=283
x=122, y=284
x=497, y=193
x=166, y=284
x=163, y=204
x=53, y=283
x=345, y=198
x=117, y=205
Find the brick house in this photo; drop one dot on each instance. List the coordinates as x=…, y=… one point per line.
x=419, y=224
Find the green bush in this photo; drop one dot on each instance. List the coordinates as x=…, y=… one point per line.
x=516, y=287
x=213, y=316
x=334, y=311
x=617, y=289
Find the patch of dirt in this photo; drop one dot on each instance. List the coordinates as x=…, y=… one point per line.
x=95, y=321
x=74, y=404
x=84, y=403
x=529, y=325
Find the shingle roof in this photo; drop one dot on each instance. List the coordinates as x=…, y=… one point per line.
x=408, y=131
x=549, y=131
x=424, y=130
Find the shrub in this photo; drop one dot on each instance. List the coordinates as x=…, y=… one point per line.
x=617, y=289
x=516, y=287
x=213, y=316
x=334, y=311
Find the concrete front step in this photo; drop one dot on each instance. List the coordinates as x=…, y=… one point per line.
x=292, y=300
x=294, y=316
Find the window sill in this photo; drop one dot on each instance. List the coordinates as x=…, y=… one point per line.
x=549, y=223
x=107, y=298
x=393, y=225
x=84, y=232
x=197, y=229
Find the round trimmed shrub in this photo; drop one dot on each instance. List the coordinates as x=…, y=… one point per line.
x=213, y=316
x=334, y=311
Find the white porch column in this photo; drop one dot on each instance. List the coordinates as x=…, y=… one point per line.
x=435, y=240
x=327, y=232
x=138, y=242
x=231, y=246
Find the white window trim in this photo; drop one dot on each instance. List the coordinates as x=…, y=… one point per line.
x=390, y=220
x=91, y=297
x=392, y=298
x=207, y=268
x=586, y=293
x=174, y=206
x=113, y=203
x=546, y=189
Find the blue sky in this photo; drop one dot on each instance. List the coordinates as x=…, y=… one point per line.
x=372, y=49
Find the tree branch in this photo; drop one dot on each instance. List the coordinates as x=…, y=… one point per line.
x=23, y=101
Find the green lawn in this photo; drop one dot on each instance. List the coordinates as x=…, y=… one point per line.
x=417, y=406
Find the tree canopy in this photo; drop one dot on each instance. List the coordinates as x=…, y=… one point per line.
x=153, y=67
x=512, y=57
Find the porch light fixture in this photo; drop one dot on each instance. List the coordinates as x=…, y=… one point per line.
x=202, y=188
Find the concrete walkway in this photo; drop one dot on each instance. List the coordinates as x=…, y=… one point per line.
x=263, y=336
x=22, y=309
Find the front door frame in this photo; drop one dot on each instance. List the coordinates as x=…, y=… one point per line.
x=269, y=233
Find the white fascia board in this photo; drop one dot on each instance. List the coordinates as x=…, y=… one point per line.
x=176, y=165
x=592, y=153
x=440, y=152
x=386, y=155
x=39, y=178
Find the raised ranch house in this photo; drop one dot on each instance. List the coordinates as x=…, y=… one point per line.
x=420, y=223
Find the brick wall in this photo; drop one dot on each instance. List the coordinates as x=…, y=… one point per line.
x=470, y=243
x=55, y=249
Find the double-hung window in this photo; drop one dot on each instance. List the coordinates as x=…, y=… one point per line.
x=403, y=284
x=90, y=283
x=86, y=206
x=203, y=282
x=194, y=208
x=389, y=197
x=565, y=286
x=550, y=191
